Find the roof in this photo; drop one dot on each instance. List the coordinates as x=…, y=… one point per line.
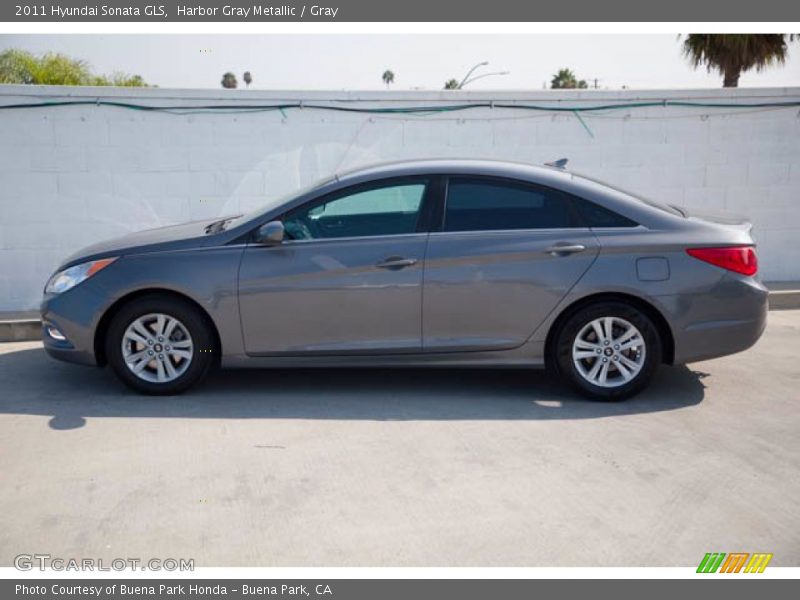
x=471, y=166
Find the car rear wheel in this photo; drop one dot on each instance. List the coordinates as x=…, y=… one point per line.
x=160, y=345
x=608, y=350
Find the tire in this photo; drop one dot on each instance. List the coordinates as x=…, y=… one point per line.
x=186, y=355
x=632, y=353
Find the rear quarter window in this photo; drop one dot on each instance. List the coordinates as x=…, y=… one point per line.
x=594, y=215
x=635, y=197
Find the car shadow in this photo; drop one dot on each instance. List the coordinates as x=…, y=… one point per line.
x=34, y=384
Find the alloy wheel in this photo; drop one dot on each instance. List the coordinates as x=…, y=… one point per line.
x=157, y=348
x=609, y=352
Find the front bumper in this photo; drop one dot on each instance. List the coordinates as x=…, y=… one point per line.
x=75, y=315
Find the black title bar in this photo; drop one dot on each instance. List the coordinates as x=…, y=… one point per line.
x=399, y=11
x=731, y=588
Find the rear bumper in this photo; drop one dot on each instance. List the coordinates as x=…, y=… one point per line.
x=729, y=319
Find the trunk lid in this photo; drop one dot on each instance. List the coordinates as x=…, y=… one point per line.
x=718, y=217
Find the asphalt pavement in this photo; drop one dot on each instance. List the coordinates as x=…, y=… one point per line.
x=404, y=467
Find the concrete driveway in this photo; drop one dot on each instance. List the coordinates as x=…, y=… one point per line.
x=423, y=468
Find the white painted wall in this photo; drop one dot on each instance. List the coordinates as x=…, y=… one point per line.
x=70, y=176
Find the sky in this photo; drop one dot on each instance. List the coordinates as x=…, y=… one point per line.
x=419, y=61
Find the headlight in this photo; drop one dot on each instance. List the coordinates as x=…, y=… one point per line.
x=69, y=278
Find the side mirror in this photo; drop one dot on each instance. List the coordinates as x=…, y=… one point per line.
x=270, y=234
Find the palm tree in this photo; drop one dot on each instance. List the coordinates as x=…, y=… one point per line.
x=229, y=81
x=451, y=84
x=565, y=80
x=388, y=77
x=248, y=79
x=733, y=54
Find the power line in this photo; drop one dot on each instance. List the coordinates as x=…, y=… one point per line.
x=414, y=110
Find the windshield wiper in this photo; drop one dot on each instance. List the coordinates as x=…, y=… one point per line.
x=679, y=210
x=220, y=225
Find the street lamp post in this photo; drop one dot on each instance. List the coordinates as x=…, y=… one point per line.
x=470, y=72
x=482, y=76
x=468, y=79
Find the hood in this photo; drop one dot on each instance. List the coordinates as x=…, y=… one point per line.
x=173, y=237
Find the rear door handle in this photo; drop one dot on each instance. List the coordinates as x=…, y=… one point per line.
x=396, y=262
x=563, y=249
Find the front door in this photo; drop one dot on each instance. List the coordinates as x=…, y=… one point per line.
x=347, y=280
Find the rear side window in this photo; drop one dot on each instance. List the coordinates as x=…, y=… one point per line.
x=484, y=205
x=594, y=215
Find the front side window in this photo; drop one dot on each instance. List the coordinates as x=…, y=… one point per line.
x=389, y=209
x=484, y=205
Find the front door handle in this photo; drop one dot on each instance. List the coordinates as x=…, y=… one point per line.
x=396, y=262
x=563, y=249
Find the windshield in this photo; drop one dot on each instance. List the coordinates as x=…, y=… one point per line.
x=655, y=204
x=274, y=203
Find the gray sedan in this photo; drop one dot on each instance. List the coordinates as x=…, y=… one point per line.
x=425, y=263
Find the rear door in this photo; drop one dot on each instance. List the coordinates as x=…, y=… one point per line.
x=348, y=280
x=506, y=254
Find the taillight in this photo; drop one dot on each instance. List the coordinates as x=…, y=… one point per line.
x=739, y=259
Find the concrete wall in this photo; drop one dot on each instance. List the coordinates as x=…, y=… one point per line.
x=70, y=176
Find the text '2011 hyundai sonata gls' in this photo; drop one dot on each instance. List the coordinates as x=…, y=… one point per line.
x=426, y=263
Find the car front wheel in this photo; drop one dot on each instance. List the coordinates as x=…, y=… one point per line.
x=160, y=345
x=608, y=350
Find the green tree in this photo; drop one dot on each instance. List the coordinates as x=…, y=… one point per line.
x=229, y=81
x=16, y=66
x=451, y=84
x=733, y=54
x=565, y=79
x=388, y=77
x=119, y=80
x=22, y=67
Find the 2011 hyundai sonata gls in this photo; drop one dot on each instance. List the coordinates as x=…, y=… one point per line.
x=426, y=263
